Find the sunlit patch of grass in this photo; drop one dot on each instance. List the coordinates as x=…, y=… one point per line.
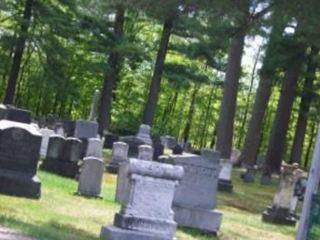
x=60, y=214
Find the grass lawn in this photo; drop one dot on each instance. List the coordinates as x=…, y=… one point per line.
x=61, y=215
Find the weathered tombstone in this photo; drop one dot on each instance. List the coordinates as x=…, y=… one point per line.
x=133, y=143
x=68, y=127
x=144, y=134
x=85, y=129
x=225, y=182
x=177, y=150
x=119, y=156
x=171, y=142
x=59, y=130
x=94, y=148
x=146, y=212
x=19, y=154
x=90, y=179
x=46, y=134
x=250, y=174
x=94, y=106
x=145, y=152
x=280, y=211
x=63, y=156
x=3, y=111
x=195, y=198
x=18, y=115
x=109, y=139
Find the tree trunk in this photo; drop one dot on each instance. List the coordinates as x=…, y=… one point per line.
x=313, y=134
x=245, y=115
x=18, y=52
x=151, y=104
x=228, y=105
x=104, y=115
x=281, y=122
x=187, y=128
x=306, y=99
x=253, y=136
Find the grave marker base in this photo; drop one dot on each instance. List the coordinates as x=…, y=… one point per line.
x=19, y=184
x=279, y=216
x=65, y=169
x=114, y=233
x=113, y=168
x=225, y=185
x=205, y=220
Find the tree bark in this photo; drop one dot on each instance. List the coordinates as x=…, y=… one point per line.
x=313, y=134
x=104, y=113
x=304, y=108
x=18, y=53
x=228, y=105
x=253, y=136
x=281, y=122
x=149, y=110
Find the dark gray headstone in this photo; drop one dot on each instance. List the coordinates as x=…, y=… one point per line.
x=177, y=150
x=19, y=154
x=18, y=115
x=85, y=129
x=109, y=139
x=134, y=144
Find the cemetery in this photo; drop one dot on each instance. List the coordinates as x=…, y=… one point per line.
x=159, y=120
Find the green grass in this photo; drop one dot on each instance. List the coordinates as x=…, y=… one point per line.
x=60, y=214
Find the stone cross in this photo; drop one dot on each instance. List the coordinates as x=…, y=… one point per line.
x=94, y=106
x=146, y=205
x=195, y=198
x=145, y=152
x=119, y=156
x=281, y=210
x=90, y=179
x=19, y=154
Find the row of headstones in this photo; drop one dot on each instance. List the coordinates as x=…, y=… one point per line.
x=148, y=192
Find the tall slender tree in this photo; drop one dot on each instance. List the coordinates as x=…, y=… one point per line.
x=18, y=52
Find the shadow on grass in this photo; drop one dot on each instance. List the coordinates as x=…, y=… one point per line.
x=49, y=231
x=197, y=233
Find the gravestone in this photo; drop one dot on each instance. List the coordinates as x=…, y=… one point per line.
x=145, y=152
x=90, y=179
x=94, y=106
x=19, y=154
x=171, y=142
x=59, y=130
x=281, y=210
x=109, y=139
x=235, y=155
x=85, y=129
x=146, y=212
x=144, y=134
x=119, y=156
x=195, y=200
x=133, y=143
x=18, y=115
x=225, y=182
x=46, y=134
x=177, y=150
x=3, y=111
x=63, y=156
x=94, y=148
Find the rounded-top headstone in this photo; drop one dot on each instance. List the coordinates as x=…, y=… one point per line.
x=145, y=152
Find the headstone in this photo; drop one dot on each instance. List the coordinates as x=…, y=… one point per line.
x=94, y=106
x=63, y=156
x=250, y=174
x=90, y=179
x=68, y=127
x=171, y=142
x=195, y=198
x=3, y=111
x=19, y=154
x=133, y=143
x=94, y=148
x=59, y=130
x=144, y=134
x=119, y=156
x=145, y=152
x=46, y=133
x=225, y=182
x=235, y=155
x=85, y=129
x=146, y=212
x=187, y=147
x=177, y=150
x=18, y=115
x=280, y=212
x=109, y=139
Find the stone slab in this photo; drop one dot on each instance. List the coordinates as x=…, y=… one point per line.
x=114, y=233
x=279, y=216
x=202, y=219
